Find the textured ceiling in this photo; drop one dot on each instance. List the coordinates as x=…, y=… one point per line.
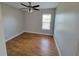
x=43, y=5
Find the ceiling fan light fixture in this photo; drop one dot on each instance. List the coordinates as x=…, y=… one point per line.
x=30, y=11
x=30, y=7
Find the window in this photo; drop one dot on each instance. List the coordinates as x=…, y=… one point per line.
x=46, y=20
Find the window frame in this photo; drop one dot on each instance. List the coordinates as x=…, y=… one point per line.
x=43, y=21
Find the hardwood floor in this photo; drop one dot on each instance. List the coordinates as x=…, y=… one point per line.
x=28, y=44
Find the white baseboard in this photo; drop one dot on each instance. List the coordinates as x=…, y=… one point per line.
x=14, y=36
x=57, y=45
x=39, y=33
x=28, y=32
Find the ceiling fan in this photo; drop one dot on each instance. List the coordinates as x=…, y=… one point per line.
x=30, y=7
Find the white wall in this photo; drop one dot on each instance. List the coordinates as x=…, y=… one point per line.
x=13, y=21
x=67, y=28
x=34, y=21
x=2, y=39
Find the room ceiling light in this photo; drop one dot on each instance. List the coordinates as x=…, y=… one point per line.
x=30, y=7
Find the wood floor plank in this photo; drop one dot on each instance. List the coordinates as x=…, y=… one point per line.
x=29, y=44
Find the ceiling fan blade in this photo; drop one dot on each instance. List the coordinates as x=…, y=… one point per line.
x=36, y=6
x=36, y=9
x=24, y=5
